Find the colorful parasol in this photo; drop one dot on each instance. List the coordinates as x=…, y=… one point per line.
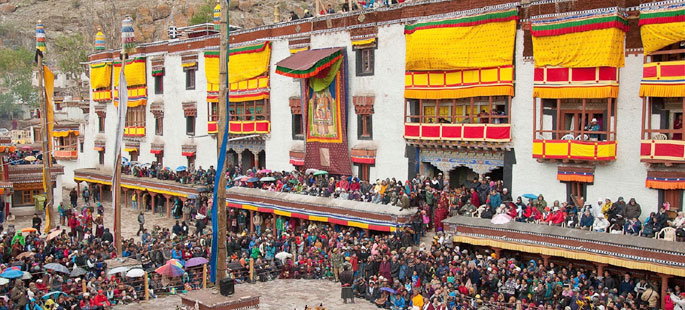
x=170, y=270
x=40, y=37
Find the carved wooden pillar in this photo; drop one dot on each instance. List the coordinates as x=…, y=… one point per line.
x=168, y=207
x=251, y=221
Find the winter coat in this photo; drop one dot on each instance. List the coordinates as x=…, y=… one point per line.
x=632, y=211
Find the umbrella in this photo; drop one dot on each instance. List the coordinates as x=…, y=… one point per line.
x=28, y=229
x=320, y=172
x=267, y=179
x=117, y=270
x=283, y=256
x=4, y=281
x=294, y=181
x=53, y=295
x=77, y=272
x=310, y=170
x=238, y=178
x=30, y=158
x=18, y=238
x=387, y=289
x=25, y=254
x=57, y=267
x=181, y=168
x=27, y=275
x=252, y=180
x=500, y=219
x=175, y=262
x=170, y=270
x=54, y=234
x=124, y=160
x=135, y=273
x=264, y=171
x=530, y=196
x=244, y=179
x=196, y=261
x=11, y=273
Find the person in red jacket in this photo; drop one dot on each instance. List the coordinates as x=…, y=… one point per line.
x=100, y=300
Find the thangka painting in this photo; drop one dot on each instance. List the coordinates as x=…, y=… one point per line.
x=326, y=109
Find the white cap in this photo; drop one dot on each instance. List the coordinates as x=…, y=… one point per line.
x=594, y=120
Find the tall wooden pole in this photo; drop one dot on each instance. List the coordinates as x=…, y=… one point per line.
x=223, y=122
x=47, y=158
x=116, y=187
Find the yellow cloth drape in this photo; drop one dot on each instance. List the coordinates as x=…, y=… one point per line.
x=65, y=133
x=101, y=75
x=480, y=46
x=657, y=36
x=594, y=48
x=605, y=91
x=49, y=79
x=212, y=70
x=247, y=65
x=135, y=73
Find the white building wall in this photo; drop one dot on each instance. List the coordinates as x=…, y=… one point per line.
x=279, y=143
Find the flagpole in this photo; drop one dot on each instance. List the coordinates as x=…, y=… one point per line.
x=47, y=158
x=222, y=139
x=116, y=186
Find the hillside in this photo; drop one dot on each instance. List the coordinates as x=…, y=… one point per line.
x=151, y=17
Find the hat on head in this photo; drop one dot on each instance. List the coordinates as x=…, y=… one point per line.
x=594, y=120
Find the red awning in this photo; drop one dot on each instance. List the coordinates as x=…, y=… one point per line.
x=99, y=148
x=297, y=158
x=156, y=151
x=306, y=64
x=363, y=156
x=188, y=154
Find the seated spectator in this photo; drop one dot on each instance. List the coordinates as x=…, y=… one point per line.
x=616, y=228
x=649, y=227
x=600, y=224
x=632, y=227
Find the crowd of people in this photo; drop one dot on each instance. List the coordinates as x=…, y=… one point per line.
x=183, y=175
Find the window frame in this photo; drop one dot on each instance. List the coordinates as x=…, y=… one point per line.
x=212, y=111
x=190, y=79
x=364, y=55
x=101, y=157
x=193, y=120
x=247, y=106
x=159, y=126
x=159, y=85
x=297, y=131
x=365, y=126
x=101, y=124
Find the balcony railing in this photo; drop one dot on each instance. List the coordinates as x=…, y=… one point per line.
x=574, y=150
x=458, y=132
x=67, y=154
x=662, y=150
x=134, y=131
x=249, y=127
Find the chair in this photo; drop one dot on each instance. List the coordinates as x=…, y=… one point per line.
x=583, y=137
x=667, y=233
x=660, y=136
x=568, y=137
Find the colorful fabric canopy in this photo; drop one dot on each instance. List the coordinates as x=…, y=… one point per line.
x=248, y=61
x=101, y=75
x=475, y=39
x=663, y=79
x=310, y=63
x=135, y=72
x=583, y=39
x=661, y=24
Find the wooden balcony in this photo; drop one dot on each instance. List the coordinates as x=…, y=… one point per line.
x=662, y=151
x=458, y=132
x=575, y=150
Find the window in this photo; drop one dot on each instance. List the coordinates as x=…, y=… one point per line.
x=365, y=127
x=160, y=158
x=249, y=110
x=159, y=85
x=159, y=126
x=213, y=111
x=101, y=123
x=673, y=197
x=190, y=125
x=191, y=161
x=365, y=61
x=575, y=191
x=81, y=145
x=101, y=157
x=190, y=79
x=134, y=156
x=473, y=110
x=27, y=196
x=67, y=143
x=135, y=116
x=575, y=119
x=364, y=170
x=297, y=127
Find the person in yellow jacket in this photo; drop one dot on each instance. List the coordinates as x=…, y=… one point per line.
x=605, y=207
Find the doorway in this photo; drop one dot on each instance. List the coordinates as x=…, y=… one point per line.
x=460, y=176
x=261, y=156
x=496, y=174
x=247, y=160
